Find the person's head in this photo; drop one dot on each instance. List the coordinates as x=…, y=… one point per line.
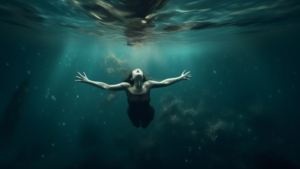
x=135, y=74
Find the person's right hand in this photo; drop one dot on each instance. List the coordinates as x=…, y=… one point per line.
x=82, y=78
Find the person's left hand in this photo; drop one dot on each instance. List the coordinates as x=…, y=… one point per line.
x=185, y=76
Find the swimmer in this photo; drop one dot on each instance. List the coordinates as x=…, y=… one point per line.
x=137, y=89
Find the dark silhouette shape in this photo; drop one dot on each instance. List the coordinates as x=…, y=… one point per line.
x=13, y=111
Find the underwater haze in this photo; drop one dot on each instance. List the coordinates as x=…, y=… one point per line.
x=240, y=108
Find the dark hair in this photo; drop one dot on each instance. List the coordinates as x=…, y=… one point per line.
x=131, y=82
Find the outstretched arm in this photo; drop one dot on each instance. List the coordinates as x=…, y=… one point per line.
x=117, y=87
x=167, y=82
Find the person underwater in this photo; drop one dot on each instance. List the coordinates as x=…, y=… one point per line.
x=137, y=89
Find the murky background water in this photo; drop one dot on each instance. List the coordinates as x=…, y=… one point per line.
x=239, y=110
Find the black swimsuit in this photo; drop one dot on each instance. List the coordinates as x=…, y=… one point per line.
x=139, y=109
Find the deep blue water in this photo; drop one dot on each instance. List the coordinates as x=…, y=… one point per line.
x=240, y=108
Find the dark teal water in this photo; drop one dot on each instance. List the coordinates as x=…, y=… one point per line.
x=240, y=109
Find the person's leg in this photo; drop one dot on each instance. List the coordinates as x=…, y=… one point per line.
x=148, y=116
x=133, y=117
